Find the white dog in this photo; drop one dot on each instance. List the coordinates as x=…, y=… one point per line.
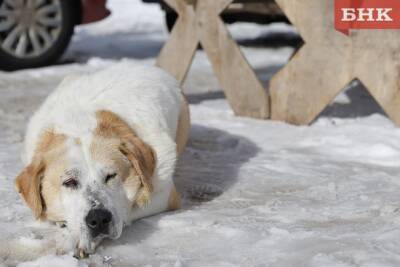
x=101, y=152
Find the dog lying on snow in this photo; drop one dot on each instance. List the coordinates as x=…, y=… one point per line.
x=101, y=152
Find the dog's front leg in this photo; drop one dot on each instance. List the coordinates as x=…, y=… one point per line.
x=35, y=243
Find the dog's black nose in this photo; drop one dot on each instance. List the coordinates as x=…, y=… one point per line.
x=98, y=221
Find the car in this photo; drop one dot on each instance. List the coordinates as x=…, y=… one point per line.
x=257, y=11
x=35, y=33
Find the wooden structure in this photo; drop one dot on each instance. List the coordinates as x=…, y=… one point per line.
x=330, y=60
x=309, y=82
x=199, y=22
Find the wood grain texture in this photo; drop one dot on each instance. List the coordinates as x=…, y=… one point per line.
x=242, y=88
x=177, y=54
x=200, y=22
x=329, y=60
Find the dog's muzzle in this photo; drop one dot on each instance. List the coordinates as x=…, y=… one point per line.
x=98, y=222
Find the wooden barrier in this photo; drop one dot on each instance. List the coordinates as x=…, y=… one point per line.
x=330, y=60
x=327, y=62
x=199, y=22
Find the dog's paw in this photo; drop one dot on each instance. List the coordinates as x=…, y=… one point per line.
x=80, y=253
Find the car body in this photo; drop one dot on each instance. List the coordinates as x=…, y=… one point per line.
x=258, y=11
x=93, y=10
x=35, y=33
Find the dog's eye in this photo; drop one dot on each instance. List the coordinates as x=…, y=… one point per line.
x=109, y=177
x=71, y=183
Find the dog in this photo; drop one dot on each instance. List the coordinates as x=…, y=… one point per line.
x=101, y=152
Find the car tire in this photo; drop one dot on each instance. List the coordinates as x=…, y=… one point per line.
x=51, y=50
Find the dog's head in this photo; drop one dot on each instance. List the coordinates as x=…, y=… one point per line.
x=90, y=183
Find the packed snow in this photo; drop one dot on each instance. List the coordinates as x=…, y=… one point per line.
x=256, y=193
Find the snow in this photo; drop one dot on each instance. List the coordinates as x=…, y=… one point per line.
x=51, y=260
x=256, y=193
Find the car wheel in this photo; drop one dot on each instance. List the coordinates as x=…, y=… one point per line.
x=34, y=33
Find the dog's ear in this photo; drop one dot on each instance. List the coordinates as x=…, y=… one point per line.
x=28, y=184
x=143, y=160
x=140, y=154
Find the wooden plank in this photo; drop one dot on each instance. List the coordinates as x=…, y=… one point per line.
x=177, y=54
x=201, y=21
x=330, y=60
x=242, y=88
x=306, y=85
x=379, y=70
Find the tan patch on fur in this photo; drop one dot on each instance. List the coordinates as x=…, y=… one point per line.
x=49, y=140
x=28, y=185
x=105, y=150
x=140, y=154
x=174, y=201
x=29, y=182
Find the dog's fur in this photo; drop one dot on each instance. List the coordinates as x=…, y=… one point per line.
x=127, y=122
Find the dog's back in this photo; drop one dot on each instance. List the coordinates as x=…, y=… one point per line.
x=147, y=98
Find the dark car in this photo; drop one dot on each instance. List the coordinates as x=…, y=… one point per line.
x=258, y=11
x=35, y=33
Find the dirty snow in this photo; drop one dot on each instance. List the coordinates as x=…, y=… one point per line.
x=256, y=193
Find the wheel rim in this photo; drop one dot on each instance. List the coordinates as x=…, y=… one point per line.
x=29, y=28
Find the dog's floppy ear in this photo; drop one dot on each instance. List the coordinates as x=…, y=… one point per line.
x=28, y=184
x=140, y=154
x=142, y=158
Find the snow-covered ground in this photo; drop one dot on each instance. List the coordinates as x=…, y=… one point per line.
x=256, y=193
